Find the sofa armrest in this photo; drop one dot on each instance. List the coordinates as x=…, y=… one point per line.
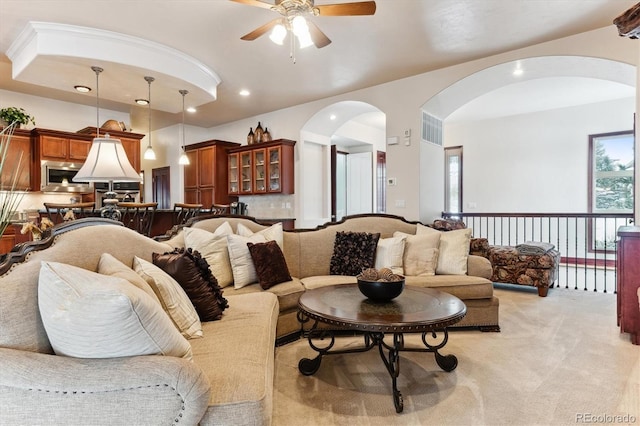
x=479, y=266
x=51, y=389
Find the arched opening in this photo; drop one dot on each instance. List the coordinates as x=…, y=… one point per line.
x=339, y=157
x=523, y=127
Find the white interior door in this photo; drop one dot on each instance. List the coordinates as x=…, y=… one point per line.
x=359, y=183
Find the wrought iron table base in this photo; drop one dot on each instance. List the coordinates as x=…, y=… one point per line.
x=391, y=361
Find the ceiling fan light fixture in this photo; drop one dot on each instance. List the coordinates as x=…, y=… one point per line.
x=299, y=26
x=304, y=40
x=278, y=34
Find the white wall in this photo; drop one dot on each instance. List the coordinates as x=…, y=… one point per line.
x=419, y=167
x=57, y=115
x=533, y=163
x=400, y=100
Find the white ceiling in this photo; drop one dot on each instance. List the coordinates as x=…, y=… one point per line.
x=403, y=38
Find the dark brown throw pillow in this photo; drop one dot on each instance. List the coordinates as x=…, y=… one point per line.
x=270, y=263
x=192, y=272
x=353, y=252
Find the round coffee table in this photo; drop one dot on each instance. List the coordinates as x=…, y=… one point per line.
x=416, y=310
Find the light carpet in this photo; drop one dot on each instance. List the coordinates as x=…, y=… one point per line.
x=559, y=360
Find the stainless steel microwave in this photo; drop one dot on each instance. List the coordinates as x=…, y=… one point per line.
x=58, y=177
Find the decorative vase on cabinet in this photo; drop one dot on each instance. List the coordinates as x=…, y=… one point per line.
x=251, y=137
x=259, y=133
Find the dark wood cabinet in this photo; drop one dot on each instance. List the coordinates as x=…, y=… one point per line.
x=206, y=175
x=19, y=148
x=53, y=145
x=628, y=265
x=11, y=237
x=264, y=168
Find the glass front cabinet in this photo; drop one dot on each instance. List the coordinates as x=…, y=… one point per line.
x=246, y=168
x=234, y=173
x=264, y=168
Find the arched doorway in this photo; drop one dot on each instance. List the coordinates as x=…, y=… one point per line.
x=349, y=135
x=518, y=139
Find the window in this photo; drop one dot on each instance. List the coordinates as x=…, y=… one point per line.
x=611, y=172
x=611, y=184
x=453, y=179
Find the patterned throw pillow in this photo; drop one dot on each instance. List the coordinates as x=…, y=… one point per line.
x=353, y=252
x=192, y=272
x=270, y=263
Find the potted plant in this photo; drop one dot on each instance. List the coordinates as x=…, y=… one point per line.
x=19, y=115
x=10, y=194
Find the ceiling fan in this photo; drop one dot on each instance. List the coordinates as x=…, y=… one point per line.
x=293, y=19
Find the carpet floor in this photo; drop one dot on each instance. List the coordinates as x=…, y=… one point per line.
x=559, y=360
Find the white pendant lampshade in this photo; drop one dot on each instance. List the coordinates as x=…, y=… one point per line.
x=107, y=162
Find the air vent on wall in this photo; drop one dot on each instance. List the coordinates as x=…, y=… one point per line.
x=431, y=129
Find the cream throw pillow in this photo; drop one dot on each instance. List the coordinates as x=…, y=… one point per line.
x=420, y=254
x=88, y=315
x=174, y=300
x=109, y=265
x=454, y=249
x=390, y=252
x=244, y=272
x=273, y=233
x=213, y=248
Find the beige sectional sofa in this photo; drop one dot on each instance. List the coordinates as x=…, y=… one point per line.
x=230, y=378
x=308, y=254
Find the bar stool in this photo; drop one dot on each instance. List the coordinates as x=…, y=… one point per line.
x=59, y=213
x=219, y=209
x=138, y=216
x=183, y=212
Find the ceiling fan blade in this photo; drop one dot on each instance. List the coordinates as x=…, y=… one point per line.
x=260, y=30
x=255, y=3
x=348, y=9
x=317, y=36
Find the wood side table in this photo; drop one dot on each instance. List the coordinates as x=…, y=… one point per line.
x=416, y=310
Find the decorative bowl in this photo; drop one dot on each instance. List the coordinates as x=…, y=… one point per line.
x=381, y=291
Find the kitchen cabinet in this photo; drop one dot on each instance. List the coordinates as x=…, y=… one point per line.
x=19, y=147
x=11, y=237
x=206, y=176
x=67, y=147
x=240, y=173
x=264, y=168
x=628, y=281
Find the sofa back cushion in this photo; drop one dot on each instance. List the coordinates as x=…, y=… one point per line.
x=316, y=247
x=20, y=323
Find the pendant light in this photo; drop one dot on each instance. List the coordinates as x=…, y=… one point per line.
x=149, y=154
x=184, y=160
x=106, y=162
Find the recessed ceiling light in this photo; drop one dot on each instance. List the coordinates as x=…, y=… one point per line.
x=245, y=92
x=191, y=109
x=142, y=102
x=82, y=89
